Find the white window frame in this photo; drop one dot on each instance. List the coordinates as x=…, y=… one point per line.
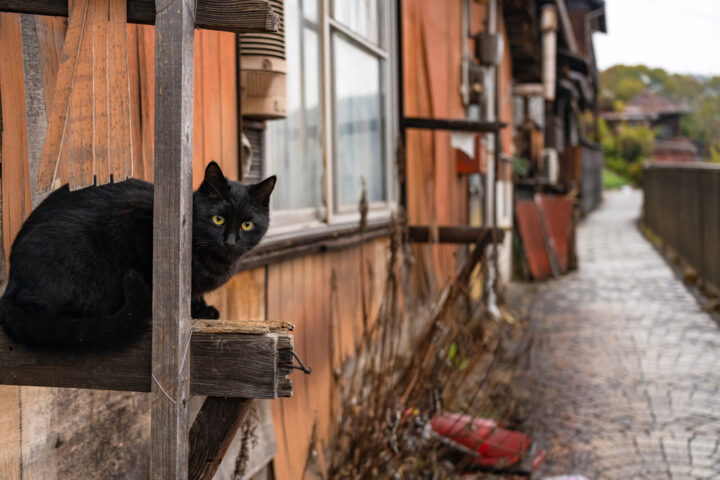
x=300, y=220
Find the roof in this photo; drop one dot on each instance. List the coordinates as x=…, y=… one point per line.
x=651, y=102
x=648, y=105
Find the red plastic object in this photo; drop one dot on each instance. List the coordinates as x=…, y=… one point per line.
x=533, y=239
x=557, y=212
x=496, y=446
x=477, y=164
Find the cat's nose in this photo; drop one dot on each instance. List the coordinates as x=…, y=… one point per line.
x=230, y=240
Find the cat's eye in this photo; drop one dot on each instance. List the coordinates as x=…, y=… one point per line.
x=247, y=226
x=218, y=219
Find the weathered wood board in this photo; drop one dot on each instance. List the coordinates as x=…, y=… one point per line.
x=228, y=359
x=239, y=16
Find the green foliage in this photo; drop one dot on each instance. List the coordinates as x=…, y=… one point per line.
x=521, y=166
x=619, y=84
x=627, y=150
x=612, y=180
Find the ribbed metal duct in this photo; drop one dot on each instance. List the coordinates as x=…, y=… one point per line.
x=263, y=71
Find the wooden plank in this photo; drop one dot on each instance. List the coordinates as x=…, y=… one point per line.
x=210, y=113
x=228, y=105
x=121, y=161
x=16, y=198
x=229, y=359
x=212, y=432
x=57, y=116
x=451, y=234
x=198, y=120
x=101, y=118
x=146, y=54
x=79, y=123
x=10, y=428
x=239, y=16
x=172, y=241
x=135, y=109
x=51, y=37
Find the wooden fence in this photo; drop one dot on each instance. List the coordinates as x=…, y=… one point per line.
x=682, y=206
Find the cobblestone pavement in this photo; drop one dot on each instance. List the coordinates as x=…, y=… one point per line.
x=625, y=367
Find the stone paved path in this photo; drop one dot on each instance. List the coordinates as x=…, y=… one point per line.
x=625, y=366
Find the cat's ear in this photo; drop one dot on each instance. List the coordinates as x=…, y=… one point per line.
x=215, y=183
x=260, y=192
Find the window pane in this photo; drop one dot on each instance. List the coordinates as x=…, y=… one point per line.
x=310, y=8
x=362, y=16
x=359, y=123
x=294, y=144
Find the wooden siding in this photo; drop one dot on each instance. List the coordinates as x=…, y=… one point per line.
x=432, y=43
x=52, y=433
x=321, y=294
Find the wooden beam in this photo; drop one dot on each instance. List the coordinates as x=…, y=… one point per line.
x=229, y=359
x=172, y=239
x=453, y=234
x=460, y=125
x=213, y=431
x=239, y=16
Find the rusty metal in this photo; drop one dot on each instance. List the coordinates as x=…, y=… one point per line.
x=556, y=211
x=530, y=226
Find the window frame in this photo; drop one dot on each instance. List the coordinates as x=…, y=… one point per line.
x=329, y=214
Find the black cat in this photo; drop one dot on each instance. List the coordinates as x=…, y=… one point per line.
x=81, y=265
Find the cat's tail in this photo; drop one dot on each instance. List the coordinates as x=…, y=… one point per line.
x=85, y=333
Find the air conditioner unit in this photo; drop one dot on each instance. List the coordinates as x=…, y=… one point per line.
x=263, y=71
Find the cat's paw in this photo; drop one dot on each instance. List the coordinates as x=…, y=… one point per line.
x=206, y=312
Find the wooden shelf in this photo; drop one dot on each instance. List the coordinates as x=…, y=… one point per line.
x=456, y=125
x=239, y=16
x=228, y=359
x=454, y=234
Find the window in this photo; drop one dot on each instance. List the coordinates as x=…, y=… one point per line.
x=339, y=129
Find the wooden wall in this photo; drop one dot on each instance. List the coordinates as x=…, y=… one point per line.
x=63, y=433
x=432, y=61
x=50, y=433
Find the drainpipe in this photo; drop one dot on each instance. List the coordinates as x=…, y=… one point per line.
x=491, y=106
x=548, y=25
x=490, y=116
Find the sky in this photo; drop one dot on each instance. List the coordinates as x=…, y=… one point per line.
x=680, y=36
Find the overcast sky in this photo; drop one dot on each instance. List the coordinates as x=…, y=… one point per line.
x=681, y=36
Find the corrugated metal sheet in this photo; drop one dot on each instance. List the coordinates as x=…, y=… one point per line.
x=556, y=212
x=533, y=239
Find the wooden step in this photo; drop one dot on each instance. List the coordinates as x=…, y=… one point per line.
x=228, y=359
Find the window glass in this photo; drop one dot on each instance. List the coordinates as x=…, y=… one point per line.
x=295, y=143
x=359, y=123
x=362, y=16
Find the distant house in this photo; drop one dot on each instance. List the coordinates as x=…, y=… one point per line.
x=663, y=115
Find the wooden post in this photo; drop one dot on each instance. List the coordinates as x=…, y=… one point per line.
x=172, y=238
x=213, y=431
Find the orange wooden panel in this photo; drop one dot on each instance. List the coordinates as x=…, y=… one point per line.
x=61, y=97
x=146, y=58
x=321, y=294
x=120, y=148
x=51, y=36
x=242, y=298
x=16, y=199
x=78, y=129
x=198, y=116
x=101, y=130
x=135, y=122
x=211, y=111
x=228, y=105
